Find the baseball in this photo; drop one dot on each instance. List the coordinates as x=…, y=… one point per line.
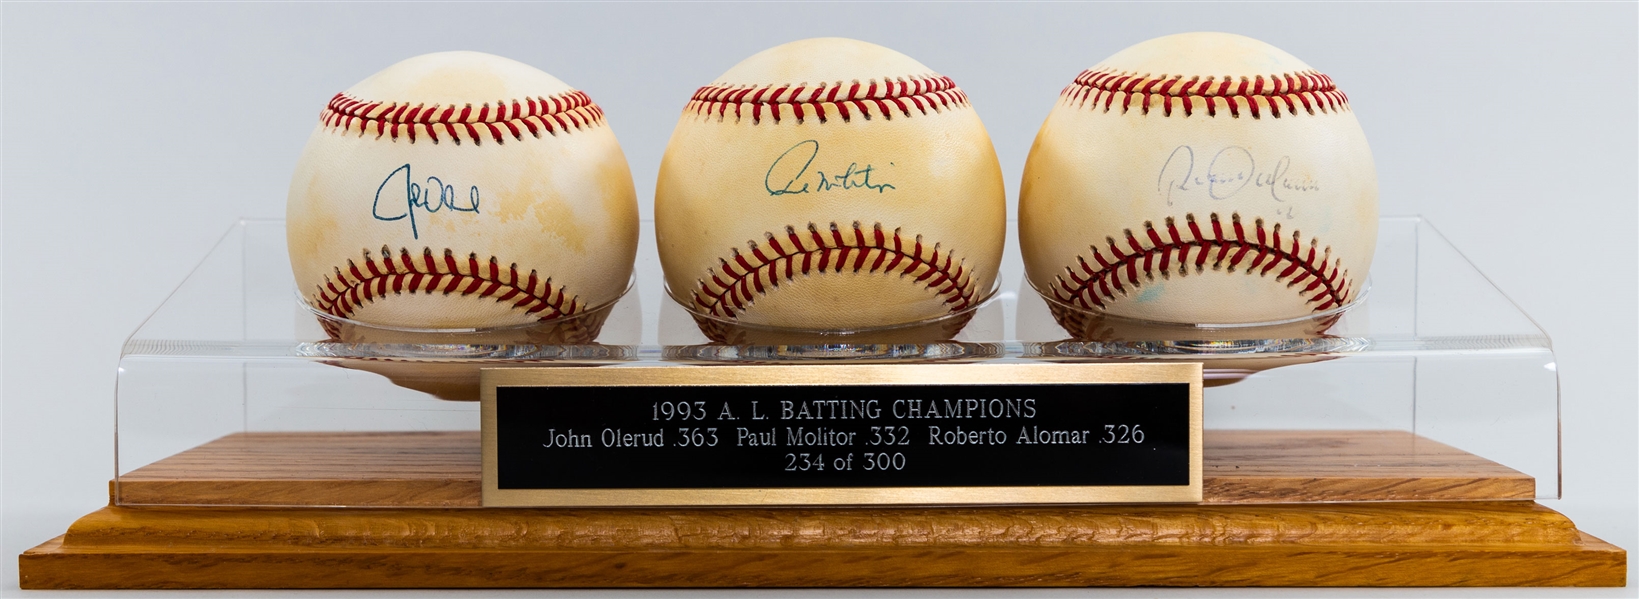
x=829, y=184
x=1200, y=178
x=461, y=190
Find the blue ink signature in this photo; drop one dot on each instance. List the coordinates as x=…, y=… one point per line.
x=1230, y=171
x=852, y=177
x=418, y=196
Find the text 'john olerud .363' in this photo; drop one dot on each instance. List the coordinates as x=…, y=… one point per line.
x=692, y=437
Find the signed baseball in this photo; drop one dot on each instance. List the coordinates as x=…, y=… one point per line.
x=829, y=184
x=1200, y=178
x=461, y=190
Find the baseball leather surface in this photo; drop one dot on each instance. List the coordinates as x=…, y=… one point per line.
x=829, y=184
x=1200, y=178
x=461, y=190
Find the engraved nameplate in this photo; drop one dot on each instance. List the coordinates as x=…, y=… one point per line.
x=854, y=434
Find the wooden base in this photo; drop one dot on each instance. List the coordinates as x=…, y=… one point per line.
x=1283, y=508
x=442, y=469
x=1382, y=544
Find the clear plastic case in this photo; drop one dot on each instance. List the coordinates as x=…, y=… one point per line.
x=1433, y=349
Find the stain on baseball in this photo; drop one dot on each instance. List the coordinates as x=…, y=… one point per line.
x=1200, y=178
x=461, y=190
x=829, y=184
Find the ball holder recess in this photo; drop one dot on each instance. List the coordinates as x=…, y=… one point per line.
x=1391, y=461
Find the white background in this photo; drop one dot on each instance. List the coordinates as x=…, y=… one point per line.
x=135, y=134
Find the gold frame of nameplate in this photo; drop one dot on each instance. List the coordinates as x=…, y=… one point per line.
x=853, y=374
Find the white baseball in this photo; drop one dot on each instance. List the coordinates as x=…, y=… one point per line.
x=830, y=184
x=1200, y=178
x=461, y=190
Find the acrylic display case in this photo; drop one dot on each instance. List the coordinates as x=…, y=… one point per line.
x=1400, y=442
x=1433, y=357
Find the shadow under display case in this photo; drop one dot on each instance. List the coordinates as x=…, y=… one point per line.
x=1402, y=441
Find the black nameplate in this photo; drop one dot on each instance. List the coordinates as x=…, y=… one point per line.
x=855, y=436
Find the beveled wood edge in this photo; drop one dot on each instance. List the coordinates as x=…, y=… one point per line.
x=1220, y=485
x=463, y=493
x=1439, y=523
x=1292, y=489
x=1365, y=559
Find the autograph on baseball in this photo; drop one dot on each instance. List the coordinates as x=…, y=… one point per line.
x=1229, y=172
x=421, y=197
x=790, y=175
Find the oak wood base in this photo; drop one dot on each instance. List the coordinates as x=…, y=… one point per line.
x=1282, y=508
x=443, y=469
x=1511, y=543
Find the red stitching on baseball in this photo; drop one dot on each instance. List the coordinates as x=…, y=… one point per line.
x=357, y=285
x=910, y=95
x=1107, y=88
x=727, y=291
x=562, y=112
x=1328, y=283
